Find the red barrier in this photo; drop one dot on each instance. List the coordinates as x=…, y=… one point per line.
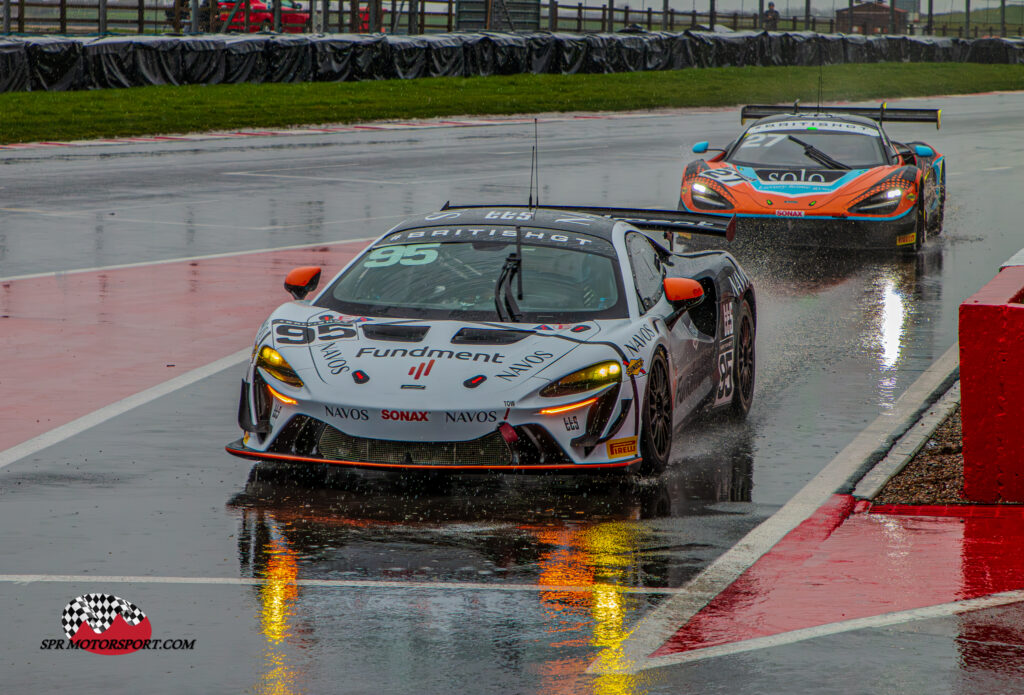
x=992, y=388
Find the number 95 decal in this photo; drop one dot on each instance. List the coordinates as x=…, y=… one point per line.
x=410, y=254
x=303, y=334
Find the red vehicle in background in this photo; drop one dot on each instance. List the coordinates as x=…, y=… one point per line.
x=255, y=15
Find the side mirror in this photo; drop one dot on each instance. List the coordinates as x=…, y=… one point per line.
x=700, y=147
x=302, y=281
x=923, y=151
x=684, y=293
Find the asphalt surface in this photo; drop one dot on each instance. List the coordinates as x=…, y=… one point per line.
x=152, y=493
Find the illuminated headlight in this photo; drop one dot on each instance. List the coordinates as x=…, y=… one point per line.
x=880, y=203
x=593, y=377
x=706, y=197
x=271, y=362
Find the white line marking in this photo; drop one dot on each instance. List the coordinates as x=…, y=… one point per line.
x=97, y=417
x=997, y=169
x=659, y=625
x=227, y=254
x=327, y=583
x=941, y=610
x=381, y=182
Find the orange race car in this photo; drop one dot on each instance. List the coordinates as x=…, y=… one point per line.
x=804, y=176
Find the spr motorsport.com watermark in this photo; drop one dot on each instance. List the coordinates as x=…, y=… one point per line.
x=107, y=624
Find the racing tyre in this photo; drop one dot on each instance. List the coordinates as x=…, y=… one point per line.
x=743, y=362
x=656, y=430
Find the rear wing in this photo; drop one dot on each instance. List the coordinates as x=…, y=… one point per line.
x=668, y=221
x=881, y=113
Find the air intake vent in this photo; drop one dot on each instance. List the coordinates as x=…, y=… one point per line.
x=397, y=332
x=490, y=336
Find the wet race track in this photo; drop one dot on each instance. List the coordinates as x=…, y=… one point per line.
x=379, y=583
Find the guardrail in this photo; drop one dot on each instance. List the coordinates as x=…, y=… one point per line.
x=432, y=16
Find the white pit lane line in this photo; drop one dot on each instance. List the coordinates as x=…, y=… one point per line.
x=655, y=628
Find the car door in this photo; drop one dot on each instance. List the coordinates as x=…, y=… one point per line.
x=686, y=343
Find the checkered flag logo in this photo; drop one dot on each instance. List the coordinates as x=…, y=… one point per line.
x=99, y=611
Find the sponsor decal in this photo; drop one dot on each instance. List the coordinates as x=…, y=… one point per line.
x=331, y=356
x=810, y=124
x=528, y=363
x=640, y=339
x=905, y=239
x=634, y=367
x=799, y=175
x=431, y=354
x=108, y=624
x=469, y=416
x=422, y=370
x=789, y=213
x=541, y=237
x=359, y=414
x=405, y=415
x=408, y=254
x=572, y=423
x=341, y=318
x=618, y=448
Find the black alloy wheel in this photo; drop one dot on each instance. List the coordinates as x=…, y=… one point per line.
x=656, y=432
x=743, y=361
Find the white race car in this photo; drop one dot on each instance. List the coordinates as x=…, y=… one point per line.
x=505, y=338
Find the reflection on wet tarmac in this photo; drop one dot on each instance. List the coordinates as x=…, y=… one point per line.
x=585, y=541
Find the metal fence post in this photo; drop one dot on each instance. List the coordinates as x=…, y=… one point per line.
x=64, y=15
x=140, y=18
x=102, y=17
x=325, y=13
x=553, y=15
x=451, y=15
x=892, y=17
x=579, y=17
x=611, y=16
x=931, y=17
x=711, y=15
x=807, y=13
x=625, y=16
x=7, y=15
x=967, y=18
x=671, y=19
x=194, y=17
x=413, y=19
x=649, y=18
x=664, y=15
x=1002, y=17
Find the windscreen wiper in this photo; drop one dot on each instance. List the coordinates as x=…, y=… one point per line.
x=504, y=303
x=817, y=155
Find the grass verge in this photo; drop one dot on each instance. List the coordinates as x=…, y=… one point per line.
x=34, y=116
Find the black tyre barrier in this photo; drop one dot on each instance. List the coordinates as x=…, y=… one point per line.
x=59, y=63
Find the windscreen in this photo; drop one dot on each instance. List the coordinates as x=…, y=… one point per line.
x=566, y=277
x=857, y=148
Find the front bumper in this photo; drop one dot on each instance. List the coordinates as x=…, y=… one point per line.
x=847, y=233
x=509, y=440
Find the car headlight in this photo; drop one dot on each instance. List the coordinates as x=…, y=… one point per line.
x=879, y=203
x=704, y=196
x=270, y=361
x=593, y=377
